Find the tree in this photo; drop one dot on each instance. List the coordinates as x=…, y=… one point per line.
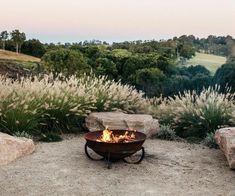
x=33, y=47
x=165, y=64
x=3, y=38
x=150, y=80
x=18, y=38
x=192, y=71
x=199, y=77
x=225, y=76
x=131, y=65
x=65, y=60
x=10, y=45
x=175, y=84
x=186, y=50
x=105, y=66
x=200, y=81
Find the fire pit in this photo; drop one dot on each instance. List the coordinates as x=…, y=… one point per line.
x=113, y=145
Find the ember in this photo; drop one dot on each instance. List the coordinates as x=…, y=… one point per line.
x=109, y=137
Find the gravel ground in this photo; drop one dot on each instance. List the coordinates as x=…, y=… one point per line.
x=170, y=168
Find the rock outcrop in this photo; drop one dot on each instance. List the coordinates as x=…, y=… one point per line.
x=120, y=121
x=12, y=148
x=225, y=138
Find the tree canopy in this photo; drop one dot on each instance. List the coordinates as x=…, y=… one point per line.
x=66, y=61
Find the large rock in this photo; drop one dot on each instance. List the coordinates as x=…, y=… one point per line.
x=226, y=140
x=12, y=148
x=120, y=121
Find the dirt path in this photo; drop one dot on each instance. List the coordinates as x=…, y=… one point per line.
x=170, y=168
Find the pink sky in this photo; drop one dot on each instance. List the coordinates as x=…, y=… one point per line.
x=117, y=20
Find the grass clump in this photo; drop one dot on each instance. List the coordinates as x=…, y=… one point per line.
x=166, y=133
x=195, y=115
x=44, y=104
x=210, y=141
x=22, y=134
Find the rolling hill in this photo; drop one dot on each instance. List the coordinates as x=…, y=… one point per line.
x=16, y=65
x=8, y=55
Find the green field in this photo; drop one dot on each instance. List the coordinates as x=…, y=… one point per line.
x=210, y=61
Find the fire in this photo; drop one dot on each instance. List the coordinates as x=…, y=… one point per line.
x=109, y=137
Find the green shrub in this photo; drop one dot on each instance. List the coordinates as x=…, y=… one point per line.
x=166, y=133
x=210, y=141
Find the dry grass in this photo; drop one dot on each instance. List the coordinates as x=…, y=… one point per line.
x=4, y=54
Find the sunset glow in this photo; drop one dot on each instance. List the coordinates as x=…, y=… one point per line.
x=117, y=20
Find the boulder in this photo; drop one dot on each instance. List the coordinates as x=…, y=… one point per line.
x=12, y=148
x=121, y=121
x=225, y=138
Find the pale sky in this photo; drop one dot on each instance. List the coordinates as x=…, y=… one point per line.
x=117, y=20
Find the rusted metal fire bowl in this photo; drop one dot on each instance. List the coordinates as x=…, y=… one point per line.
x=115, y=151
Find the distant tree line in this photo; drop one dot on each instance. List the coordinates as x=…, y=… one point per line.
x=150, y=65
x=218, y=45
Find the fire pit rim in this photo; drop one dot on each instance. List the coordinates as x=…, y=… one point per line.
x=143, y=136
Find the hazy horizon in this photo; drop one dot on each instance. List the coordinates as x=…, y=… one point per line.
x=112, y=20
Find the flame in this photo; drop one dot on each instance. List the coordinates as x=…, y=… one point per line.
x=109, y=137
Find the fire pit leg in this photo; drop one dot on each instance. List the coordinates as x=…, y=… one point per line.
x=109, y=162
x=89, y=156
x=136, y=161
